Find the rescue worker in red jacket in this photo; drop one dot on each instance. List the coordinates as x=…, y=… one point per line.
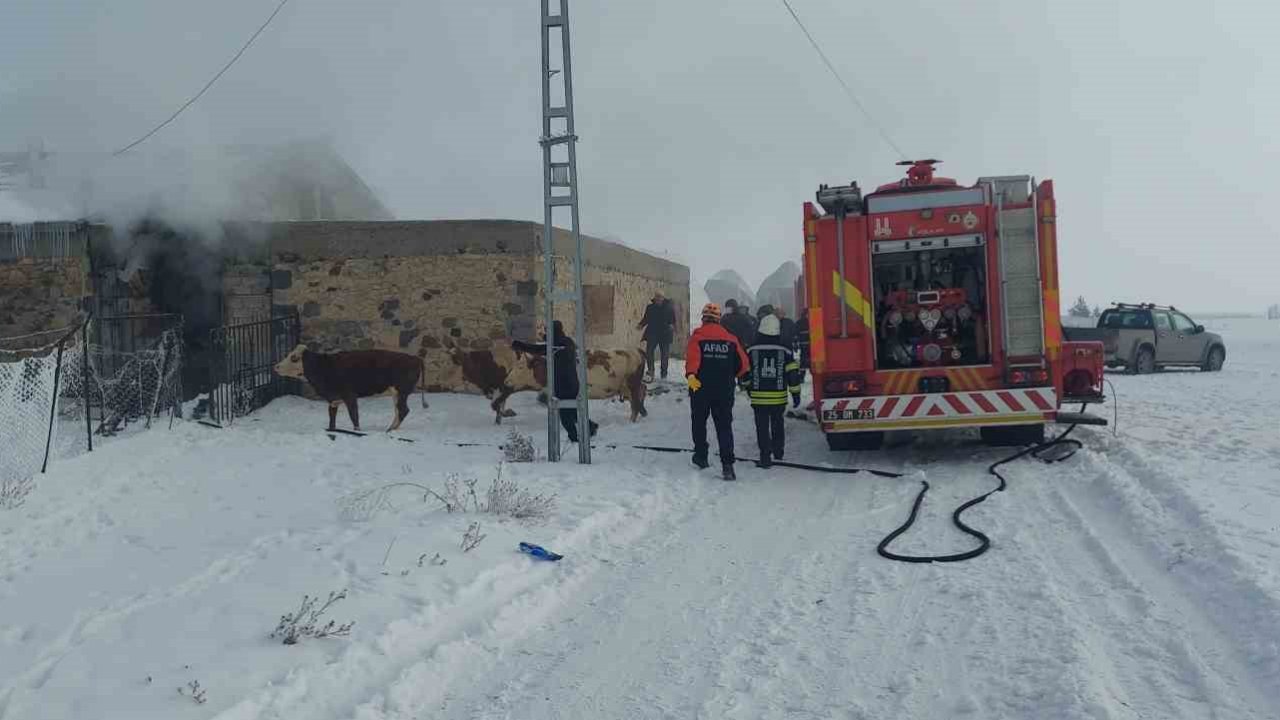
x=774, y=373
x=714, y=361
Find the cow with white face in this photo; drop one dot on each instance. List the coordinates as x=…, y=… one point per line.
x=344, y=377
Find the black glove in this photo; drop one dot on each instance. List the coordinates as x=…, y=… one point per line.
x=795, y=400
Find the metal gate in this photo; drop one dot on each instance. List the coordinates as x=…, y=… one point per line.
x=243, y=357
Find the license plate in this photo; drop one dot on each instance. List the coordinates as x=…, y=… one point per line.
x=855, y=414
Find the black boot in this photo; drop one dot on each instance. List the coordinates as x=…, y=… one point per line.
x=729, y=474
x=594, y=427
x=764, y=461
x=701, y=462
x=777, y=454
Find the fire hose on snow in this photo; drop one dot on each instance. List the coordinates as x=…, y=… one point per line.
x=984, y=542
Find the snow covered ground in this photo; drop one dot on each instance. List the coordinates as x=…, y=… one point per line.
x=1136, y=580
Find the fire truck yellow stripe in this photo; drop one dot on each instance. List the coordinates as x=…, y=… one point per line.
x=975, y=380
x=854, y=299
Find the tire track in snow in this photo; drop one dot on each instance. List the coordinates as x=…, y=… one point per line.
x=705, y=630
x=88, y=624
x=1213, y=620
x=414, y=663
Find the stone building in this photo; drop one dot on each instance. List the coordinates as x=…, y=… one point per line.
x=44, y=276
x=420, y=286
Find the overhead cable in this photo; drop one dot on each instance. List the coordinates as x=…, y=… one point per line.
x=207, y=85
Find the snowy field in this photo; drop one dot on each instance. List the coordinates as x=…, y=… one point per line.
x=1135, y=580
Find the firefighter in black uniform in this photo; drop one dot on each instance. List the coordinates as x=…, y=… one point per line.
x=714, y=361
x=774, y=373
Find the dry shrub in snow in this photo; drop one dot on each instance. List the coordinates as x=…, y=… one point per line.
x=195, y=692
x=504, y=498
x=306, y=621
x=472, y=537
x=14, y=492
x=519, y=448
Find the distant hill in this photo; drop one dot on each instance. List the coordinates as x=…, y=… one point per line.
x=779, y=288
x=728, y=284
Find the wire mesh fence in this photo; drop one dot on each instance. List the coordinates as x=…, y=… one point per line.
x=133, y=372
x=60, y=390
x=34, y=372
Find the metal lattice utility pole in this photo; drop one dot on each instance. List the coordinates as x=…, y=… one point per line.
x=560, y=189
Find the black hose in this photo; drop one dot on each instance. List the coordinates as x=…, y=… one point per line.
x=778, y=463
x=1115, y=408
x=984, y=542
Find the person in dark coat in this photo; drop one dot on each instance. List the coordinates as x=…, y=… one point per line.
x=714, y=362
x=659, y=323
x=566, y=376
x=737, y=322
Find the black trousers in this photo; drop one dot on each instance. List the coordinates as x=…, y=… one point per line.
x=771, y=438
x=720, y=408
x=569, y=419
x=665, y=347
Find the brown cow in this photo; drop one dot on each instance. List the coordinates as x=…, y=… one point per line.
x=343, y=377
x=501, y=372
x=610, y=373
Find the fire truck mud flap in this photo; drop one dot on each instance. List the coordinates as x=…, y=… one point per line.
x=1079, y=418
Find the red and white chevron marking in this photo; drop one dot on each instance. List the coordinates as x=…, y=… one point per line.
x=976, y=404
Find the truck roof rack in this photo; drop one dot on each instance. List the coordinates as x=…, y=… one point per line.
x=1142, y=306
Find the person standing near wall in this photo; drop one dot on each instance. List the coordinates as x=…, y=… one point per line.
x=566, y=376
x=714, y=361
x=659, y=323
x=774, y=373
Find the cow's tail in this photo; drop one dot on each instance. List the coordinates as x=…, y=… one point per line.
x=422, y=380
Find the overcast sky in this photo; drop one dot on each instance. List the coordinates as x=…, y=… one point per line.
x=704, y=126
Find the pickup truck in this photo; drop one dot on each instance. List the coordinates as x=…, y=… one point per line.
x=1144, y=338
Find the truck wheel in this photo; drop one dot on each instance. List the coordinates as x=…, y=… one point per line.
x=1010, y=435
x=838, y=442
x=1145, y=363
x=1217, y=356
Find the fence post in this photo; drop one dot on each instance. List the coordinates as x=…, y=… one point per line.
x=84, y=382
x=53, y=406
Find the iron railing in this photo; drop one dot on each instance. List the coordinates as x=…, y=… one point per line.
x=243, y=358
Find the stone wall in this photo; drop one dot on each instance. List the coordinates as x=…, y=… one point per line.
x=39, y=294
x=631, y=294
x=246, y=293
x=410, y=304
x=419, y=287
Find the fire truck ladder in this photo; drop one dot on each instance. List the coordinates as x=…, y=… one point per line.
x=1020, y=287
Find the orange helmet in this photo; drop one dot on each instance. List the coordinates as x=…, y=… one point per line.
x=711, y=311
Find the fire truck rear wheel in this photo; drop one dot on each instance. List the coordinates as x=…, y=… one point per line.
x=1010, y=435
x=840, y=442
x=1145, y=362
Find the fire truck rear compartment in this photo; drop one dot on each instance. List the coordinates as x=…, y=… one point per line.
x=931, y=305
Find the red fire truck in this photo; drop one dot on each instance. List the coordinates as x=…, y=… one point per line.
x=932, y=304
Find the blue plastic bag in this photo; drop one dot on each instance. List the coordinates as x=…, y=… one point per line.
x=539, y=552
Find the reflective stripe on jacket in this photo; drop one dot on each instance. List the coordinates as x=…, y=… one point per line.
x=774, y=374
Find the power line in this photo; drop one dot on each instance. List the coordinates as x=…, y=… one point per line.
x=848, y=91
x=207, y=85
